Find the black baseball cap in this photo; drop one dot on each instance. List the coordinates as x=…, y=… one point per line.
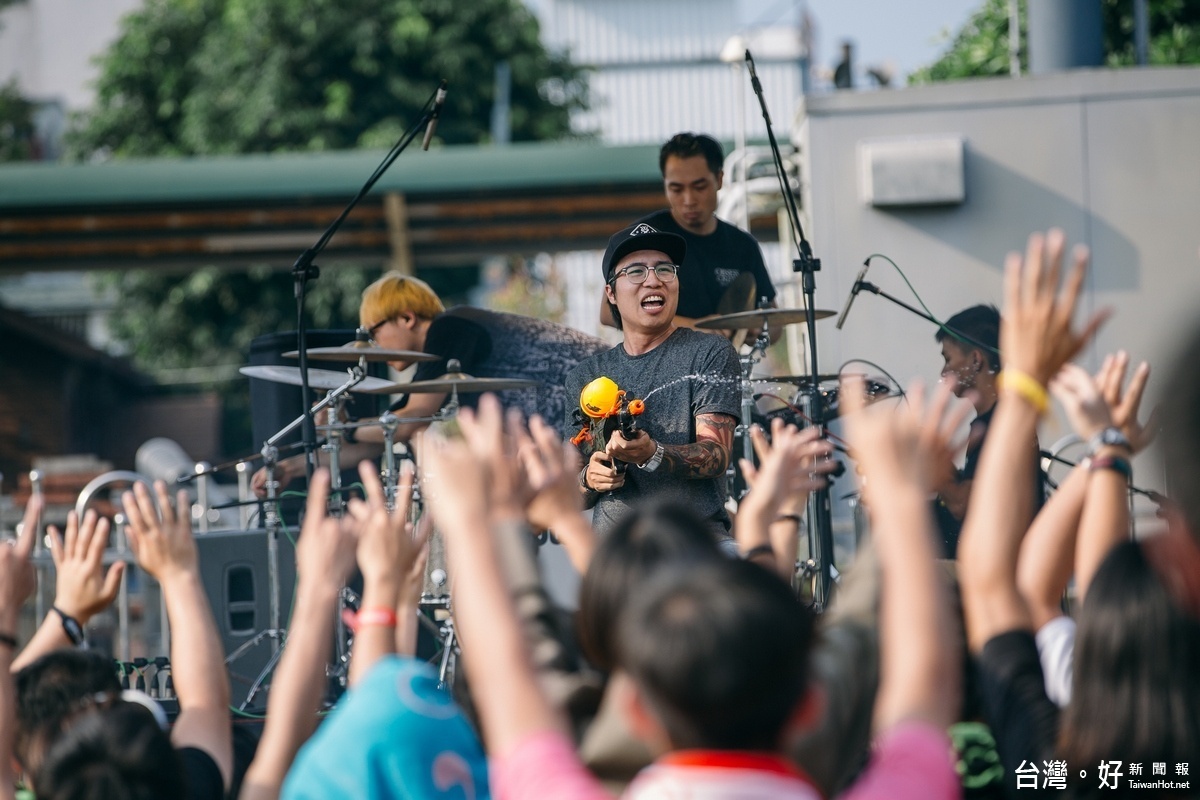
x=642, y=236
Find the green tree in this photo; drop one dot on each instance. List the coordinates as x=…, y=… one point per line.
x=16, y=118
x=195, y=77
x=191, y=77
x=980, y=48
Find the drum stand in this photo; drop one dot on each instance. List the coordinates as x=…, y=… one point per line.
x=757, y=351
x=273, y=524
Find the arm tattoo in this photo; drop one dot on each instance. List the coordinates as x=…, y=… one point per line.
x=708, y=456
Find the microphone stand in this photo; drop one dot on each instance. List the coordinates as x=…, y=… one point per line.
x=820, y=521
x=304, y=270
x=867, y=286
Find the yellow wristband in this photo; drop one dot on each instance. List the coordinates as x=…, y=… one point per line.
x=1026, y=386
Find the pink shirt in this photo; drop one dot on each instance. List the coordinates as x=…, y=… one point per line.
x=913, y=760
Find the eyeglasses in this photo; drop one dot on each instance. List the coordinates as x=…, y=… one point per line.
x=374, y=328
x=637, y=273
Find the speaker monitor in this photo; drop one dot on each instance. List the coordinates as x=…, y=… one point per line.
x=234, y=568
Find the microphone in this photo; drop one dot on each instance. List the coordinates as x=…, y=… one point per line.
x=862, y=273
x=433, y=118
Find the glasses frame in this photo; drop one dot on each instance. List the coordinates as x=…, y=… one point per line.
x=649, y=269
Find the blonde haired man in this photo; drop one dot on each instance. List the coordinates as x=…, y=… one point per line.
x=401, y=312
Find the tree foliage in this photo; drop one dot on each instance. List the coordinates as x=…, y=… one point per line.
x=16, y=118
x=197, y=77
x=980, y=48
x=191, y=77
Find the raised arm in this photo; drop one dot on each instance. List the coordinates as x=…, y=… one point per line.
x=82, y=587
x=898, y=451
x=1105, y=521
x=792, y=464
x=324, y=558
x=17, y=582
x=387, y=549
x=1036, y=339
x=511, y=705
x=552, y=467
x=167, y=551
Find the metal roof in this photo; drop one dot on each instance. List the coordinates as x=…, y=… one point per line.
x=297, y=176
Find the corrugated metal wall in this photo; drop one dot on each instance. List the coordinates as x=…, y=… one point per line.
x=657, y=68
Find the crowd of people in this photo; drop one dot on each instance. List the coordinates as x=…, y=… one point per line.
x=692, y=669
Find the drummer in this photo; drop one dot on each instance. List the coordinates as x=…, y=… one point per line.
x=717, y=253
x=403, y=313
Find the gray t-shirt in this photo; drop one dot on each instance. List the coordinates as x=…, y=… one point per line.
x=690, y=373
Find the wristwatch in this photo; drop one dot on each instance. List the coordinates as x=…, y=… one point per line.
x=1109, y=437
x=70, y=625
x=653, y=462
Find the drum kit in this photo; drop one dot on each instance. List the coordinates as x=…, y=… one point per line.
x=435, y=614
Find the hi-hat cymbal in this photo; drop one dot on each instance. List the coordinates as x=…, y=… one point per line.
x=317, y=378
x=464, y=383
x=353, y=351
x=751, y=320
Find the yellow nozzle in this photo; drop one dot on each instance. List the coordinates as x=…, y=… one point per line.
x=599, y=398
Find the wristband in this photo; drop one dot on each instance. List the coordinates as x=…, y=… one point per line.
x=383, y=617
x=583, y=481
x=9, y=641
x=1026, y=386
x=1115, y=463
x=71, y=626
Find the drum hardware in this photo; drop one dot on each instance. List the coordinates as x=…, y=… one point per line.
x=362, y=351
x=318, y=379
x=455, y=382
x=762, y=318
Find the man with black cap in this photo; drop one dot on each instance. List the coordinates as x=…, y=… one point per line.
x=688, y=380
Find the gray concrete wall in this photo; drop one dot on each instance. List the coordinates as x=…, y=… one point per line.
x=1112, y=157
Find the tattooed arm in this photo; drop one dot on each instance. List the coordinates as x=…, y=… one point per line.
x=708, y=456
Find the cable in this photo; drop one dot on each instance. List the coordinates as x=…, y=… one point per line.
x=957, y=335
x=899, y=387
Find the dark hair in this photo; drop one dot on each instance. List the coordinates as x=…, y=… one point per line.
x=981, y=323
x=689, y=145
x=1135, y=690
x=645, y=541
x=720, y=652
x=116, y=752
x=49, y=691
x=1181, y=431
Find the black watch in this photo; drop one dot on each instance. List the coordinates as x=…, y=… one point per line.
x=70, y=625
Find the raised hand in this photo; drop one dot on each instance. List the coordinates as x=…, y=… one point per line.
x=82, y=587
x=1124, y=404
x=387, y=546
x=17, y=578
x=908, y=443
x=552, y=470
x=791, y=466
x=1086, y=408
x=1036, y=333
x=325, y=552
x=163, y=548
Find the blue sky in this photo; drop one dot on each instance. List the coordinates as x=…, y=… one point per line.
x=905, y=33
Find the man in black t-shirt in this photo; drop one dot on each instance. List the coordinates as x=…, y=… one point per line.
x=717, y=252
x=971, y=358
x=404, y=313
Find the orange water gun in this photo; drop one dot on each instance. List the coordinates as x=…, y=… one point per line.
x=605, y=407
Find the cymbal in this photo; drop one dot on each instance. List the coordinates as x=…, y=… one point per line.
x=749, y=320
x=353, y=351
x=464, y=383
x=317, y=378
